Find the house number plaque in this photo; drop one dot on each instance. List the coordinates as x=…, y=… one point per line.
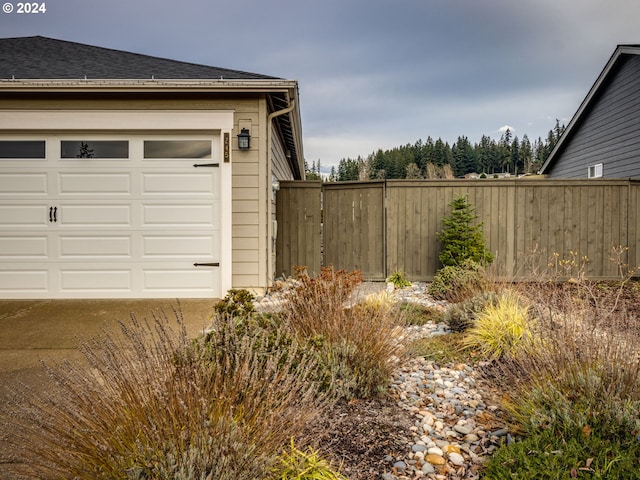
x=226, y=147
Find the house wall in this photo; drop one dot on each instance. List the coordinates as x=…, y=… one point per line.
x=609, y=132
x=251, y=185
x=280, y=171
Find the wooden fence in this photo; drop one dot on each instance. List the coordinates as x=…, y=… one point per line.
x=382, y=227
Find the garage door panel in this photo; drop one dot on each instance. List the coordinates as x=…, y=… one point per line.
x=23, y=184
x=76, y=246
x=24, y=247
x=95, y=183
x=96, y=280
x=174, y=246
x=186, y=278
x=24, y=215
x=200, y=215
x=95, y=215
x=174, y=183
x=23, y=282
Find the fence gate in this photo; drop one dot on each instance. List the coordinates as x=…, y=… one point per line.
x=354, y=226
x=299, y=233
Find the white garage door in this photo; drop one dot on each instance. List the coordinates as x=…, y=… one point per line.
x=86, y=215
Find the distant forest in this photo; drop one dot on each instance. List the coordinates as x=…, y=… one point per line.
x=437, y=159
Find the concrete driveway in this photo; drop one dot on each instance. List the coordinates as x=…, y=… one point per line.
x=51, y=330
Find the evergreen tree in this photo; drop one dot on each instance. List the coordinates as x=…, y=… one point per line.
x=310, y=173
x=464, y=159
x=516, y=161
x=526, y=154
x=461, y=239
x=347, y=170
x=333, y=177
x=504, y=149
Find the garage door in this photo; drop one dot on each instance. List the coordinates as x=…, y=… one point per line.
x=126, y=215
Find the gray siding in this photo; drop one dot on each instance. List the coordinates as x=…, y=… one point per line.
x=609, y=132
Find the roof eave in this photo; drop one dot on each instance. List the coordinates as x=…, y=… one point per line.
x=619, y=51
x=146, y=85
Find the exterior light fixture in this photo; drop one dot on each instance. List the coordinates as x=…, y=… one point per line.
x=244, y=139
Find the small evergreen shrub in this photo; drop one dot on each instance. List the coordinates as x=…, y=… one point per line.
x=456, y=283
x=237, y=303
x=461, y=239
x=461, y=316
x=399, y=280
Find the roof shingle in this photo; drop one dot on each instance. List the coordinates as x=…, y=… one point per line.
x=39, y=57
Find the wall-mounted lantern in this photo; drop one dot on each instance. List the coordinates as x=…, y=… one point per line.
x=244, y=139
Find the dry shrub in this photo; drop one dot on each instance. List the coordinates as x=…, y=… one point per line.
x=153, y=404
x=320, y=299
x=356, y=346
x=586, y=373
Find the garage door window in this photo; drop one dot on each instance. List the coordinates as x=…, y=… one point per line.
x=94, y=149
x=22, y=149
x=177, y=149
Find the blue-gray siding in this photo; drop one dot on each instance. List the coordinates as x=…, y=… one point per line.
x=609, y=132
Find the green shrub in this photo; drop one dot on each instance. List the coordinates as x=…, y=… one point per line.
x=399, y=280
x=416, y=314
x=547, y=456
x=461, y=316
x=461, y=239
x=237, y=303
x=296, y=464
x=502, y=328
x=456, y=283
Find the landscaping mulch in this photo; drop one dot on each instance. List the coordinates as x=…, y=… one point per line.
x=363, y=436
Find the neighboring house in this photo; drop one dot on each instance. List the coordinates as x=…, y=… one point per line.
x=121, y=174
x=603, y=138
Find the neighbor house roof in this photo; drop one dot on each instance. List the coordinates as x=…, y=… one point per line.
x=41, y=64
x=600, y=84
x=48, y=58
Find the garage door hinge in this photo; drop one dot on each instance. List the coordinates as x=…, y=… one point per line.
x=206, y=264
x=206, y=165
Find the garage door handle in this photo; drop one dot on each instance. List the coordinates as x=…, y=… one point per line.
x=206, y=264
x=196, y=165
x=53, y=214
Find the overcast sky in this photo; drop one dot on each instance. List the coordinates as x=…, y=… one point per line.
x=375, y=73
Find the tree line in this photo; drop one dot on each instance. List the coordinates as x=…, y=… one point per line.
x=437, y=159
